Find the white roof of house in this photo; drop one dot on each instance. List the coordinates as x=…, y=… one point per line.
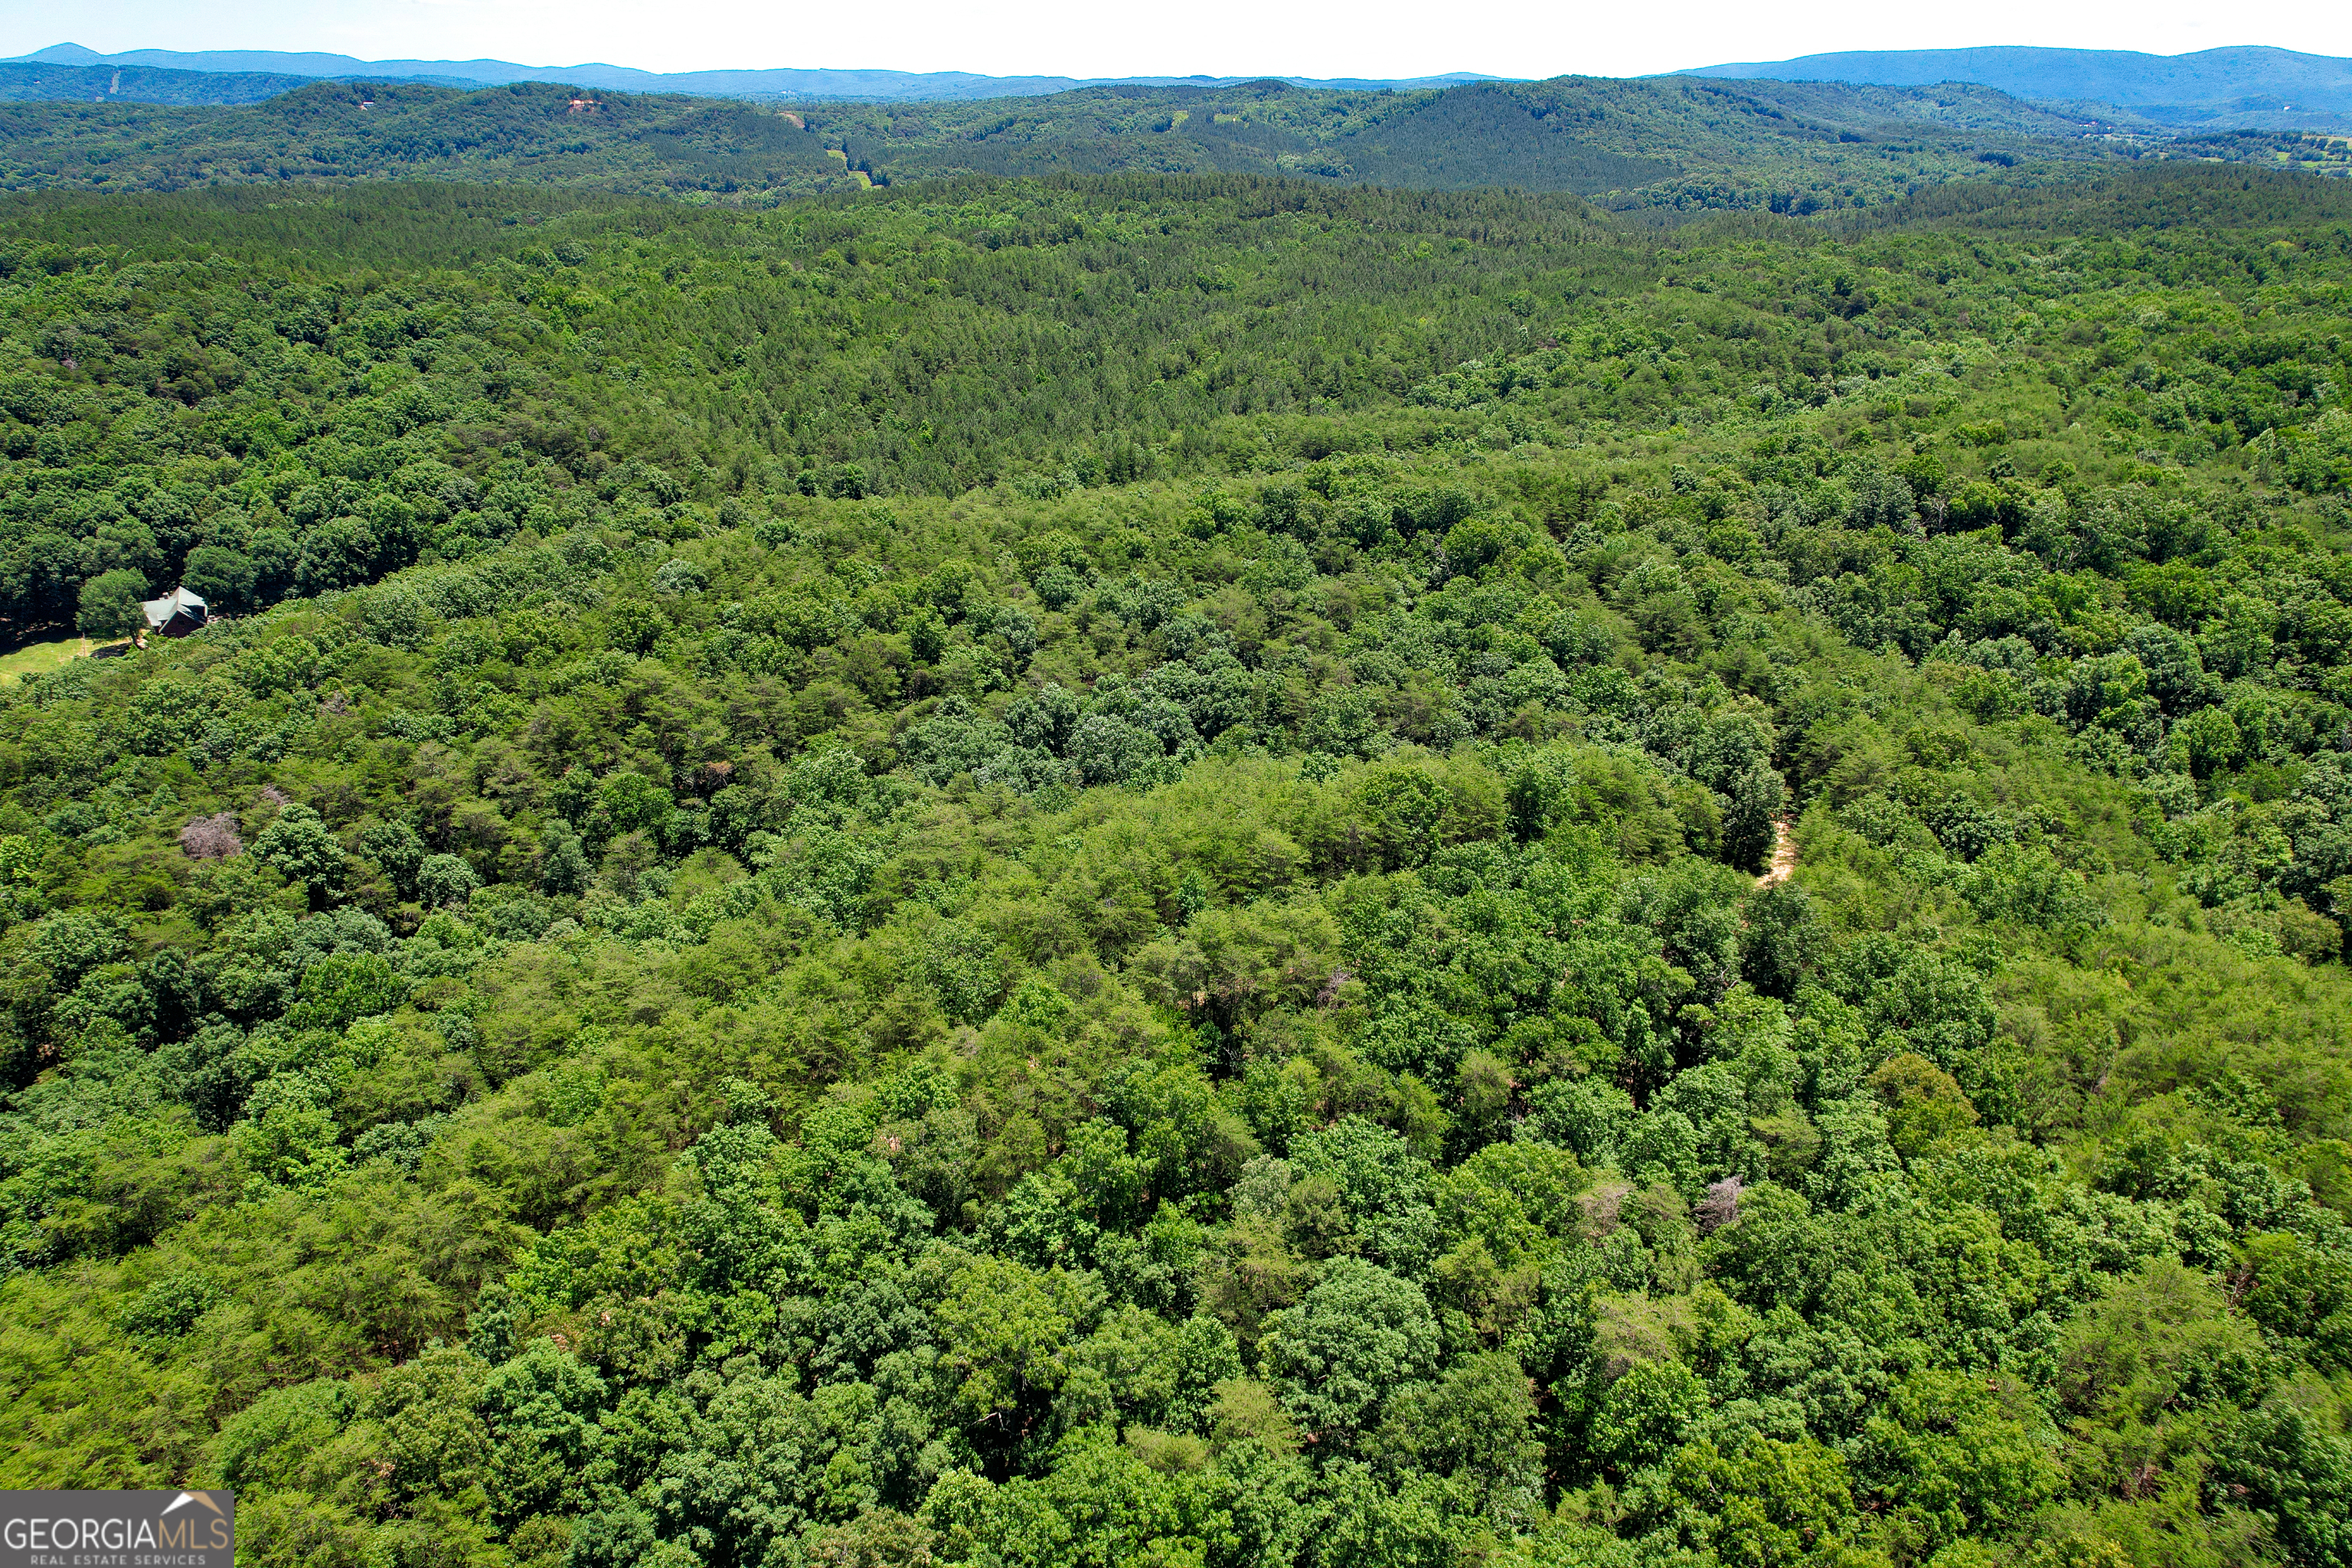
x=178, y=601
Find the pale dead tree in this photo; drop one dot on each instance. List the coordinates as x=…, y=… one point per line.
x=1720, y=1206
x=212, y=837
x=1602, y=1206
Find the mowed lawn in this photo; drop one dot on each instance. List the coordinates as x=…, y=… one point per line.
x=35, y=657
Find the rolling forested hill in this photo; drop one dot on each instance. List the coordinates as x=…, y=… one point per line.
x=756, y=83
x=23, y=81
x=1186, y=868
x=1667, y=144
x=1664, y=145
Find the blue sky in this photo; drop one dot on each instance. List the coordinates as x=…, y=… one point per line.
x=1361, y=38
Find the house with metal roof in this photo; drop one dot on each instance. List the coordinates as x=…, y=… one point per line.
x=176, y=614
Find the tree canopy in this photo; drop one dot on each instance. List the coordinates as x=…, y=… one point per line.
x=1186, y=870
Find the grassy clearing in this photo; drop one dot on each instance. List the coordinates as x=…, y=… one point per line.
x=34, y=658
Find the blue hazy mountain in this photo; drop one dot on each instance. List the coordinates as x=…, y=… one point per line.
x=2227, y=81
x=934, y=86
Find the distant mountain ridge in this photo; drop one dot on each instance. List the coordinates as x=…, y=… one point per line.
x=28, y=81
x=1666, y=145
x=804, y=84
x=2251, y=84
x=2235, y=90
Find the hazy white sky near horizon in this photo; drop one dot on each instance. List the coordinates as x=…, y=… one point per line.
x=1218, y=37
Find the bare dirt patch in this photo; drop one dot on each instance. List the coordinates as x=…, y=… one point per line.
x=1784, y=856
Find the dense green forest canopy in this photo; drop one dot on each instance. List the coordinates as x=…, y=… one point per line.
x=1663, y=145
x=32, y=81
x=1197, y=871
